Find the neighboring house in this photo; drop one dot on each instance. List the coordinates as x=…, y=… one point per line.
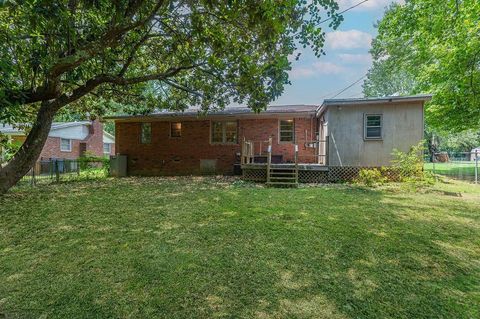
x=69, y=140
x=475, y=154
x=341, y=135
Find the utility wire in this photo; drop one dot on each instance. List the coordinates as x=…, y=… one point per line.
x=348, y=9
x=348, y=87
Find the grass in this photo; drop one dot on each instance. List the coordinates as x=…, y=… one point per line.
x=463, y=170
x=208, y=248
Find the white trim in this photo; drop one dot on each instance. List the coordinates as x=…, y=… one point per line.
x=109, y=148
x=69, y=145
x=280, y=131
x=365, y=137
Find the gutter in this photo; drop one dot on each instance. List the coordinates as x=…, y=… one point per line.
x=190, y=116
x=370, y=101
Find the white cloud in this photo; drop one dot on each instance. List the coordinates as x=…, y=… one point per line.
x=355, y=58
x=366, y=6
x=317, y=68
x=351, y=39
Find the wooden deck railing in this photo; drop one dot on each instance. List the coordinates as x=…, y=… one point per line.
x=248, y=150
x=252, y=149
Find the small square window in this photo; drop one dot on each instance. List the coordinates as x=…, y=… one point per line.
x=287, y=130
x=373, y=126
x=176, y=129
x=146, y=133
x=107, y=148
x=65, y=145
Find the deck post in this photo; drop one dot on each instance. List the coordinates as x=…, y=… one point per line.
x=327, y=142
x=269, y=158
x=296, y=163
x=242, y=152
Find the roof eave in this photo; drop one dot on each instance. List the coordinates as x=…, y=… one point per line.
x=210, y=116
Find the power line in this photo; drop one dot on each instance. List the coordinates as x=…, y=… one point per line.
x=348, y=9
x=343, y=90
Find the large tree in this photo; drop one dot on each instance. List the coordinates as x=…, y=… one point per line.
x=435, y=46
x=163, y=54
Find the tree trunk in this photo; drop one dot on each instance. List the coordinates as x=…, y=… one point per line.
x=29, y=152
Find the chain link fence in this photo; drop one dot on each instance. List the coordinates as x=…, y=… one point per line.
x=457, y=165
x=57, y=170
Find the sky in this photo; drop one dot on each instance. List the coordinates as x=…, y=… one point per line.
x=347, y=57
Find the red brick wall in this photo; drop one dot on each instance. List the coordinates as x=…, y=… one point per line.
x=95, y=139
x=94, y=145
x=177, y=156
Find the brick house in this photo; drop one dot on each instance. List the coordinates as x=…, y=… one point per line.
x=186, y=143
x=339, y=135
x=69, y=140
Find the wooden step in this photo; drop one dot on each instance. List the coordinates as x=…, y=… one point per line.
x=282, y=184
x=282, y=178
x=283, y=173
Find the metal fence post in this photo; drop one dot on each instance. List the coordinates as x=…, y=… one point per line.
x=33, y=175
x=57, y=172
x=476, y=166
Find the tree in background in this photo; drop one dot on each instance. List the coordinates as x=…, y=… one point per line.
x=145, y=54
x=436, y=44
x=383, y=79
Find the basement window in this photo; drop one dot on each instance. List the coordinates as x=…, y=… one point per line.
x=65, y=145
x=287, y=130
x=224, y=132
x=176, y=129
x=373, y=126
x=146, y=133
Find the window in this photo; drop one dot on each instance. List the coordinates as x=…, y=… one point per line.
x=175, y=129
x=224, y=132
x=373, y=126
x=107, y=148
x=65, y=145
x=146, y=133
x=287, y=130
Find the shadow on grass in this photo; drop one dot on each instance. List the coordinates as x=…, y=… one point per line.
x=183, y=248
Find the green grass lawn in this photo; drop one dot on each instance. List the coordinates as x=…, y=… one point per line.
x=453, y=169
x=206, y=248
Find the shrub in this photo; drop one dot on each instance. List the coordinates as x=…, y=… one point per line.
x=90, y=161
x=370, y=177
x=409, y=166
x=8, y=148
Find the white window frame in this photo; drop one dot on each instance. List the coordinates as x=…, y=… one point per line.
x=280, y=131
x=365, y=120
x=224, y=132
x=109, y=148
x=69, y=145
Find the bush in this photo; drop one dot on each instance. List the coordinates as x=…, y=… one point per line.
x=90, y=161
x=410, y=166
x=370, y=177
x=8, y=149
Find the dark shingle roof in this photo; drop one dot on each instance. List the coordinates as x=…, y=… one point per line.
x=232, y=111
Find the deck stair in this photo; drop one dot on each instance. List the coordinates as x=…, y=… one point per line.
x=282, y=175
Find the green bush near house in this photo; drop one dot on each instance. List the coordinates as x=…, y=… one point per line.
x=89, y=161
x=370, y=177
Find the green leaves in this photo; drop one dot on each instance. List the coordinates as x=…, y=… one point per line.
x=433, y=46
x=50, y=51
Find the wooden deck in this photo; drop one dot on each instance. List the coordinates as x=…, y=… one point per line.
x=301, y=166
